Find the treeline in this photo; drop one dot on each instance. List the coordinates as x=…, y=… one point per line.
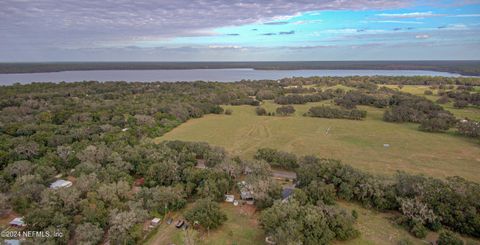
x=379, y=80
x=463, y=98
x=303, y=99
x=424, y=202
x=277, y=159
x=330, y=112
x=402, y=107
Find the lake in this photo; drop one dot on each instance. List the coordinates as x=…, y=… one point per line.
x=221, y=75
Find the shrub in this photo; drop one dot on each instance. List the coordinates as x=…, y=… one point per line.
x=285, y=110
x=260, y=111
x=449, y=238
x=428, y=92
x=228, y=112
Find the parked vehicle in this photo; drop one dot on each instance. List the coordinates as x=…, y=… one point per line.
x=180, y=223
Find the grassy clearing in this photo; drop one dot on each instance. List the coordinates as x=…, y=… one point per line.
x=359, y=143
x=379, y=228
x=241, y=228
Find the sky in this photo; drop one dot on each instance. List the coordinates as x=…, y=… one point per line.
x=238, y=30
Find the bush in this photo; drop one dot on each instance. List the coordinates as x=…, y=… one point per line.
x=460, y=104
x=404, y=241
x=428, y=92
x=228, y=112
x=260, y=111
x=419, y=230
x=285, y=110
x=329, y=112
x=449, y=238
x=443, y=100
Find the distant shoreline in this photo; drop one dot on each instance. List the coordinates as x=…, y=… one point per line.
x=466, y=68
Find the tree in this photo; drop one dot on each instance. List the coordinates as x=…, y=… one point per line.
x=449, y=238
x=88, y=234
x=285, y=110
x=122, y=224
x=4, y=205
x=260, y=111
x=207, y=214
x=460, y=104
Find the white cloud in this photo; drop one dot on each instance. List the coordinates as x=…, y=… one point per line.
x=410, y=15
x=465, y=15
x=399, y=22
x=422, y=36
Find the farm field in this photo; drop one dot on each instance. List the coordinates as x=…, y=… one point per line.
x=358, y=143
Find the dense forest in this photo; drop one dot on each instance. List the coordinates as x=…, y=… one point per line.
x=99, y=136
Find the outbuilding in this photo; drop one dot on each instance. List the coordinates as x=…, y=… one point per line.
x=61, y=184
x=155, y=221
x=17, y=222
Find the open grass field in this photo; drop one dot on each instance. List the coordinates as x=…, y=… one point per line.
x=358, y=143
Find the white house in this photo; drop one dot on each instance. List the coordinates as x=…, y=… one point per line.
x=60, y=184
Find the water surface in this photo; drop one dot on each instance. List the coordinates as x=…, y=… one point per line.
x=220, y=75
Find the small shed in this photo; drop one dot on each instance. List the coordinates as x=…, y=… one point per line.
x=229, y=198
x=386, y=145
x=155, y=221
x=17, y=222
x=61, y=184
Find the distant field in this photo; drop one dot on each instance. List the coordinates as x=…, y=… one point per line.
x=358, y=143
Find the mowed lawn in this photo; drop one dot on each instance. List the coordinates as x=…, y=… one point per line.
x=358, y=143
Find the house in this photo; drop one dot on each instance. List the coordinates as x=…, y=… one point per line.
x=17, y=222
x=60, y=184
x=155, y=221
x=229, y=198
x=246, y=192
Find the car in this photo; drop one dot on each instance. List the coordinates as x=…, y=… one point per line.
x=169, y=221
x=180, y=223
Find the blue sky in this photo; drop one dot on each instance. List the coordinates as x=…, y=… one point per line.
x=239, y=30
